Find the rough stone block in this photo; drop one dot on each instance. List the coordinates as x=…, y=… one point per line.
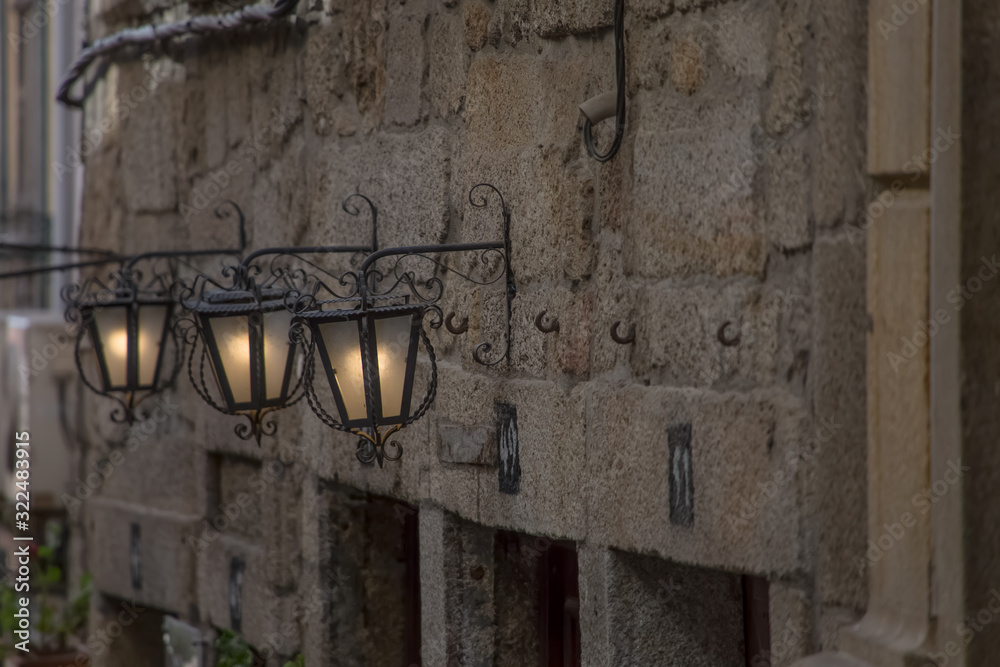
x=838, y=491
x=743, y=38
x=405, y=175
x=324, y=77
x=550, y=430
x=225, y=596
x=448, y=61
x=677, y=334
x=405, y=64
x=788, y=103
x=839, y=109
x=791, y=617
x=150, y=137
x=595, y=621
x=154, y=462
x=669, y=614
x=469, y=585
x=553, y=18
x=476, y=17
x=564, y=351
x=745, y=467
x=433, y=591
x=693, y=209
x=161, y=557
x=551, y=204
x=525, y=101
x=788, y=165
x=466, y=444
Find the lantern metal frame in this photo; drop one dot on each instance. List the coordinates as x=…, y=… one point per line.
x=132, y=301
x=369, y=355
x=128, y=288
x=385, y=293
x=255, y=288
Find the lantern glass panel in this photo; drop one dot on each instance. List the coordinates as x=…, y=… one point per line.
x=392, y=342
x=277, y=352
x=152, y=319
x=112, y=329
x=343, y=347
x=232, y=339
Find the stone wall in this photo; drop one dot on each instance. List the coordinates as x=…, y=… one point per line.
x=733, y=199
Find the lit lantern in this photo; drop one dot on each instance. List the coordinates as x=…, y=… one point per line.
x=370, y=358
x=390, y=337
x=129, y=331
x=129, y=339
x=252, y=358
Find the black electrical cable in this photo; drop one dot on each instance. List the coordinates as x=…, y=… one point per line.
x=588, y=138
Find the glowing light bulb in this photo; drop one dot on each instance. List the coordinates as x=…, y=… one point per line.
x=118, y=344
x=238, y=348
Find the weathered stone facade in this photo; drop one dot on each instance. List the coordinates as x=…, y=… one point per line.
x=729, y=201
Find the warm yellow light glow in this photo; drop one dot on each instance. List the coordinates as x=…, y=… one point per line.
x=237, y=356
x=112, y=329
x=238, y=349
x=232, y=335
x=392, y=335
x=341, y=342
x=152, y=319
x=117, y=345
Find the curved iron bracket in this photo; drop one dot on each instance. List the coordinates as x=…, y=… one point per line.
x=726, y=341
x=546, y=328
x=354, y=210
x=368, y=275
x=449, y=324
x=627, y=339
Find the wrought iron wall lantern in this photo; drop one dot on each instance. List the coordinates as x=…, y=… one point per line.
x=367, y=342
x=260, y=338
x=128, y=319
x=243, y=329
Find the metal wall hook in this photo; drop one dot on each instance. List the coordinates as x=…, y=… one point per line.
x=726, y=341
x=627, y=339
x=449, y=324
x=549, y=328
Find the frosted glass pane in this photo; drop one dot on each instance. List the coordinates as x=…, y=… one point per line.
x=232, y=337
x=151, y=320
x=276, y=346
x=344, y=349
x=112, y=327
x=392, y=338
